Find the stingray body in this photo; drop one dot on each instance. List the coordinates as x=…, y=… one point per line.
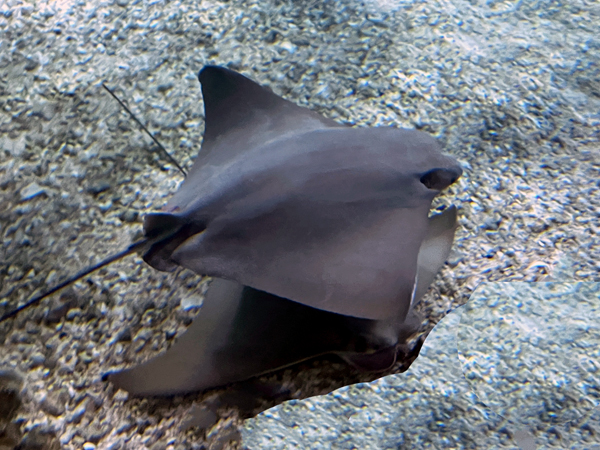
x=242, y=332
x=317, y=234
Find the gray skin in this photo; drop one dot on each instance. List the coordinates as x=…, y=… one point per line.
x=241, y=332
x=317, y=234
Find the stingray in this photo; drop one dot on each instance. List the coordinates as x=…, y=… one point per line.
x=242, y=332
x=317, y=236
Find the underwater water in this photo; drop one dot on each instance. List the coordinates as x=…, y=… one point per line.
x=510, y=89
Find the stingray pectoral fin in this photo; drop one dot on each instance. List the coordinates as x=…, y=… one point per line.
x=239, y=333
x=435, y=249
x=366, y=272
x=240, y=112
x=189, y=364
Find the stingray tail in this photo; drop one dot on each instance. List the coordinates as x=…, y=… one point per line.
x=164, y=151
x=131, y=249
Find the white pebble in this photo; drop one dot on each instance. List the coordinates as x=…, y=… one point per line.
x=32, y=190
x=191, y=302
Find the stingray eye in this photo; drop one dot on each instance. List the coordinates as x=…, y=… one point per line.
x=438, y=179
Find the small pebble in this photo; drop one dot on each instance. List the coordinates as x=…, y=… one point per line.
x=159, y=445
x=454, y=259
x=117, y=445
x=77, y=415
x=124, y=335
x=37, y=359
x=31, y=191
x=105, y=206
x=129, y=215
x=75, y=312
x=14, y=147
x=54, y=404
x=95, y=433
x=31, y=64
x=11, y=383
x=193, y=301
x=491, y=224
x=199, y=416
x=97, y=188
x=164, y=87
x=125, y=426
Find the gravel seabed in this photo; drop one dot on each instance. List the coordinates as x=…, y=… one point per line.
x=512, y=89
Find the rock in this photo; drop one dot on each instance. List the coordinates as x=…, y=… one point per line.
x=129, y=215
x=39, y=438
x=190, y=302
x=226, y=438
x=105, y=206
x=31, y=64
x=98, y=187
x=30, y=191
x=200, y=417
x=60, y=307
x=36, y=359
x=78, y=413
x=116, y=445
x=124, y=335
x=54, y=403
x=14, y=147
x=11, y=383
x=164, y=87
x=95, y=433
x=159, y=445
